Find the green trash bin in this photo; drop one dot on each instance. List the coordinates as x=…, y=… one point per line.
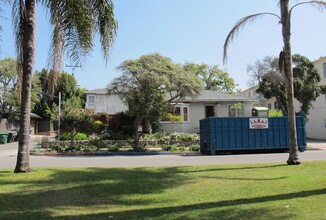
x=3, y=138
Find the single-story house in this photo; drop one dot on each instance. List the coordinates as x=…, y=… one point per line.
x=191, y=110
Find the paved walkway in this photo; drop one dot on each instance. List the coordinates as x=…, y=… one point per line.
x=316, y=144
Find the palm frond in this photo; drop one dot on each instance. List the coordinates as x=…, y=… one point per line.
x=79, y=20
x=106, y=24
x=56, y=48
x=18, y=14
x=320, y=5
x=238, y=26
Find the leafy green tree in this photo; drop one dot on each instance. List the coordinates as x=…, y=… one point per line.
x=150, y=85
x=74, y=24
x=47, y=107
x=76, y=119
x=9, y=89
x=285, y=61
x=306, y=87
x=67, y=85
x=214, y=78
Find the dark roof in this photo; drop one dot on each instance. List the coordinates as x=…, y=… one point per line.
x=214, y=96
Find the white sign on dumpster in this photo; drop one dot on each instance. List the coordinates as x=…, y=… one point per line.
x=258, y=123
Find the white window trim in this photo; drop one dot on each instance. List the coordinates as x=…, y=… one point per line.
x=236, y=110
x=181, y=106
x=88, y=99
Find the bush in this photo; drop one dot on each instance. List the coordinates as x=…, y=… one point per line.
x=275, y=113
x=79, y=136
x=194, y=148
x=128, y=130
x=166, y=147
x=113, y=148
x=82, y=148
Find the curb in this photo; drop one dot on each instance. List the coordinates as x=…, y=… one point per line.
x=115, y=154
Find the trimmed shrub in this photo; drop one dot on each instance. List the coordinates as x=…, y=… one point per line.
x=78, y=137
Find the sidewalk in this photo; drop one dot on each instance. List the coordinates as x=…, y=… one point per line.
x=314, y=144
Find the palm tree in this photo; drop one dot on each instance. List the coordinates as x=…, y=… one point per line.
x=285, y=61
x=75, y=23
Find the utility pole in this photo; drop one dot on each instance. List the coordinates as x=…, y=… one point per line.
x=59, y=116
x=73, y=67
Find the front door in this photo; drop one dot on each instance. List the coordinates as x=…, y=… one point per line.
x=209, y=111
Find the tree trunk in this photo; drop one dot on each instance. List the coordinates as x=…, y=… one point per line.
x=72, y=135
x=147, y=126
x=137, y=124
x=23, y=164
x=288, y=76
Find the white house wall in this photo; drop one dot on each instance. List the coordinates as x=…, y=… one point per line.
x=197, y=112
x=106, y=103
x=114, y=104
x=316, y=125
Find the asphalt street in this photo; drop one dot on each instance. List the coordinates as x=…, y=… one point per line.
x=8, y=154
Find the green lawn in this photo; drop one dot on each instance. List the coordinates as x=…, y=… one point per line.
x=263, y=191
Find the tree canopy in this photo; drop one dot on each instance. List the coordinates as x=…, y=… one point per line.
x=306, y=87
x=260, y=68
x=213, y=78
x=47, y=107
x=152, y=84
x=9, y=89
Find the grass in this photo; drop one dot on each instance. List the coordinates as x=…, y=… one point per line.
x=258, y=191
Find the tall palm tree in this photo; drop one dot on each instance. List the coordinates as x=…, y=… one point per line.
x=285, y=61
x=75, y=22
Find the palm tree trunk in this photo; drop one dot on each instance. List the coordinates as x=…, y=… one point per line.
x=23, y=164
x=286, y=32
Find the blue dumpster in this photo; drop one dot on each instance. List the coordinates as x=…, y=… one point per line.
x=218, y=134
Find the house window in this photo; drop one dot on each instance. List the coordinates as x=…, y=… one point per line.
x=276, y=105
x=236, y=110
x=269, y=106
x=324, y=70
x=185, y=113
x=182, y=112
x=91, y=99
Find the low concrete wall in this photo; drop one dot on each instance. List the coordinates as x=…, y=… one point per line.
x=119, y=143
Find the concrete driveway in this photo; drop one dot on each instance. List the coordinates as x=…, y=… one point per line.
x=8, y=159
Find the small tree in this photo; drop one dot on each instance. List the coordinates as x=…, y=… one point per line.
x=76, y=120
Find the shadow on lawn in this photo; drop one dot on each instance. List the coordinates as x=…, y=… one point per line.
x=212, y=210
x=81, y=188
x=92, y=187
x=235, y=168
